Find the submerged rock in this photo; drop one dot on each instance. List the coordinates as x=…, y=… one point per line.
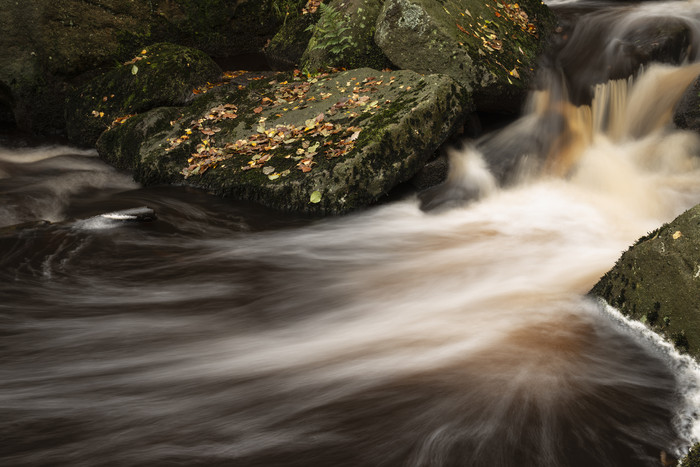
x=328, y=144
x=656, y=281
x=489, y=47
x=159, y=75
x=116, y=218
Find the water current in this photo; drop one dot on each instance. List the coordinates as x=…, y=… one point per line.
x=225, y=334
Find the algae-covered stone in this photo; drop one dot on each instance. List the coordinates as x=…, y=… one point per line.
x=159, y=75
x=489, y=47
x=325, y=145
x=657, y=281
x=344, y=36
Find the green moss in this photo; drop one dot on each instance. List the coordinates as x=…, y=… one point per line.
x=692, y=459
x=164, y=75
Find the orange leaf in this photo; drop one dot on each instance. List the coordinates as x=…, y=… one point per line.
x=257, y=110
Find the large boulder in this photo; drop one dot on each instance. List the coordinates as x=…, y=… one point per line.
x=489, y=47
x=159, y=75
x=343, y=36
x=323, y=145
x=657, y=280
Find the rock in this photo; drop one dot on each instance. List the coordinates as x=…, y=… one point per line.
x=686, y=115
x=432, y=174
x=692, y=459
x=344, y=37
x=43, y=42
x=324, y=145
x=657, y=279
x=159, y=75
x=286, y=48
x=490, y=47
x=616, y=50
x=116, y=218
x=46, y=44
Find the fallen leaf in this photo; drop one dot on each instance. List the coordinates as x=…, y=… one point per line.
x=257, y=110
x=134, y=69
x=315, y=197
x=677, y=234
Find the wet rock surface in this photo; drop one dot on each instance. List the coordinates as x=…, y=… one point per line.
x=657, y=279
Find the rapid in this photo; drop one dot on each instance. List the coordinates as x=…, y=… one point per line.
x=447, y=329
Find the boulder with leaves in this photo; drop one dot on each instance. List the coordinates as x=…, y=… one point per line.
x=488, y=46
x=324, y=144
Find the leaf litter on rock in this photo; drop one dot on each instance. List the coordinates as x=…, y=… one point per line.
x=317, y=136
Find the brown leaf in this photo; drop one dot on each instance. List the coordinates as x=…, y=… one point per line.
x=257, y=110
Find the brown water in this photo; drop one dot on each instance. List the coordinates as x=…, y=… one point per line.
x=224, y=334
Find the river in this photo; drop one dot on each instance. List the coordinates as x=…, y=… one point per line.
x=221, y=333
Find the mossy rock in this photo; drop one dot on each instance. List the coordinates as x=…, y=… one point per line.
x=692, y=459
x=656, y=281
x=47, y=46
x=159, y=75
x=286, y=48
x=344, y=37
x=489, y=47
x=322, y=145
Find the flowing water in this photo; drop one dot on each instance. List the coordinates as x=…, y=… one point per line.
x=224, y=334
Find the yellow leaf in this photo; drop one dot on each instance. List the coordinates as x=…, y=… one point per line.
x=315, y=197
x=677, y=234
